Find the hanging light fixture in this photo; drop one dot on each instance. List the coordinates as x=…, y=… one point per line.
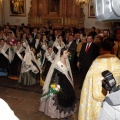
x=81, y=2
x=1, y=1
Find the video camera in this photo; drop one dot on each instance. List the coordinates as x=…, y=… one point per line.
x=109, y=82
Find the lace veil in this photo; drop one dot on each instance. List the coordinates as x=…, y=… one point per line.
x=51, y=70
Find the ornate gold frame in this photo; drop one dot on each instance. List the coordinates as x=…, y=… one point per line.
x=17, y=7
x=91, y=9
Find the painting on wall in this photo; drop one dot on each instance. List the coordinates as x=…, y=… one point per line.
x=17, y=7
x=91, y=9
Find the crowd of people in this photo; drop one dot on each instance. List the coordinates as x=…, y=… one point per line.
x=31, y=55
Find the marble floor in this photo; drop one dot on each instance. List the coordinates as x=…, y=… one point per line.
x=24, y=100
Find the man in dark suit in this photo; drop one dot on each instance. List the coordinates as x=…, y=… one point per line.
x=72, y=46
x=34, y=34
x=77, y=38
x=88, y=53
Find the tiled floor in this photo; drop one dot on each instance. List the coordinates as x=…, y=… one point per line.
x=24, y=100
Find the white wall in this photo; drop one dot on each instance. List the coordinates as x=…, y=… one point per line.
x=16, y=20
x=90, y=22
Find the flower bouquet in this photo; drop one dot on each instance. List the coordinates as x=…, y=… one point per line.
x=53, y=89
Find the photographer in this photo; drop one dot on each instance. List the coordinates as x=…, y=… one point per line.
x=111, y=105
x=92, y=94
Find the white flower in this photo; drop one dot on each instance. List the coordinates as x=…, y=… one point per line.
x=57, y=88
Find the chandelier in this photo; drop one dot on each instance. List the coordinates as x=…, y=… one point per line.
x=1, y=1
x=81, y=2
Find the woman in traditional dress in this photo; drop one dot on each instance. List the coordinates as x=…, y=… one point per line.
x=15, y=66
x=50, y=42
x=11, y=39
x=43, y=46
x=44, y=42
x=48, y=59
x=63, y=103
x=24, y=40
x=2, y=35
x=30, y=70
x=58, y=44
x=5, y=57
x=37, y=42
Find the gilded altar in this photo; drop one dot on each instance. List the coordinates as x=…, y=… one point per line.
x=57, y=13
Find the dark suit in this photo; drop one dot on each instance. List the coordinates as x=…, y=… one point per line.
x=86, y=59
x=34, y=35
x=72, y=49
